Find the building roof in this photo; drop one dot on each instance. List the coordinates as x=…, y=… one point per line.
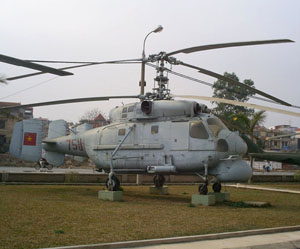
x=9, y=103
x=100, y=118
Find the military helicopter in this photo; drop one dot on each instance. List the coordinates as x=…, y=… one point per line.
x=157, y=135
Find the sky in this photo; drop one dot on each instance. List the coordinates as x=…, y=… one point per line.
x=96, y=30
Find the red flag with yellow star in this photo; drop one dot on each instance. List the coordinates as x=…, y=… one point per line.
x=30, y=138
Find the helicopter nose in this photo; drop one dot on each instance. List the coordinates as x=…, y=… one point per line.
x=231, y=142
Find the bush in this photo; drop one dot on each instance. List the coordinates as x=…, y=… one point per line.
x=297, y=176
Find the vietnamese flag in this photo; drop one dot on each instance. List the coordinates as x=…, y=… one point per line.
x=30, y=138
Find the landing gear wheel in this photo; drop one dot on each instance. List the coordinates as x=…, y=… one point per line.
x=217, y=187
x=203, y=189
x=114, y=185
x=159, y=181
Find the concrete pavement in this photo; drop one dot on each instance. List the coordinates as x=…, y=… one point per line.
x=285, y=240
x=272, y=238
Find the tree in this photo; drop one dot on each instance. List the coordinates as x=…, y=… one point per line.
x=223, y=89
x=91, y=115
x=248, y=124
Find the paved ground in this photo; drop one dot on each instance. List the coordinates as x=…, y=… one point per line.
x=269, y=241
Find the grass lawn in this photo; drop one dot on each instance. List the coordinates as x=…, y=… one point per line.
x=48, y=216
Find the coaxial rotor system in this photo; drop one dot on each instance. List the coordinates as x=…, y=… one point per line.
x=161, y=59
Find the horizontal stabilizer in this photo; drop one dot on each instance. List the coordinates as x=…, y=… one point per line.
x=54, y=158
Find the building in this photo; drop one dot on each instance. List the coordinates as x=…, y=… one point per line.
x=8, y=120
x=99, y=121
x=282, y=143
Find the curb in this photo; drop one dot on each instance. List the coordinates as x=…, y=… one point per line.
x=151, y=242
x=254, y=187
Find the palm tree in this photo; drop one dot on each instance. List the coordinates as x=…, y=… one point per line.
x=247, y=124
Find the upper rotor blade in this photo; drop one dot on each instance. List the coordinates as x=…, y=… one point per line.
x=232, y=102
x=221, y=77
x=227, y=45
x=66, y=101
x=22, y=63
x=77, y=66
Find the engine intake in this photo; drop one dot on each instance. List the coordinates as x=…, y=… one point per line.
x=146, y=107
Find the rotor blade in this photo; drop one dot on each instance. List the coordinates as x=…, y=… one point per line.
x=66, y=101
x=232, y=102
x=87, y=62
x=221, y=77
x=210, y=84
x=77, y=66
x=227, y=45
x=22, y=63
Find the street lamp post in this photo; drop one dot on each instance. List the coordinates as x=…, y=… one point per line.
x=158, y=29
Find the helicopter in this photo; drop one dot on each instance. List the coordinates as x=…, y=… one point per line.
x=156, y=135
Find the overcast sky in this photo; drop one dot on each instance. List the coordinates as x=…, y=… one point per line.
x=111, y=30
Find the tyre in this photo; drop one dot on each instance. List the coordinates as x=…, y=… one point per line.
x=49, y=166
x=203, y=189
x=115, y=183
x=37, y=166
x=217, y=187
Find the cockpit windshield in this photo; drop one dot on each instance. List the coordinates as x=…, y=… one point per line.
x=215, y=125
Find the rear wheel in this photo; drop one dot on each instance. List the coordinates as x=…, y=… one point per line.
x=37, y=166
x=114, y=184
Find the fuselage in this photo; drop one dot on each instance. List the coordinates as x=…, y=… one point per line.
x=173, y=138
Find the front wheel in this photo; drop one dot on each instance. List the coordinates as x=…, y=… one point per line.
x=114, y=184
x=49, y=166
x=203, y=189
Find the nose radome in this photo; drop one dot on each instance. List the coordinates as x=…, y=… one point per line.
x=236, y=145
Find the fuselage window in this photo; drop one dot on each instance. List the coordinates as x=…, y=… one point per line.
x=197, y=130
x=121, y=132
x=124, y=110
x=130, y=108
x=215, y=125
x=154, y=129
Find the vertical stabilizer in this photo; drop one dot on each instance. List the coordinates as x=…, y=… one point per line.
x=57, y=128
x=26, y=142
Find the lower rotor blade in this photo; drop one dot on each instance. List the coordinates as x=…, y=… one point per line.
x=22, y=63
x=232, y=102
x=67, y=101
x=77, y=66
x=221, y=77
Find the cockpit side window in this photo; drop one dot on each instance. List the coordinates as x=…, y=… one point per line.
x=215, y=125
x=124, y=110
x=130, y=108
x=197, y=130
